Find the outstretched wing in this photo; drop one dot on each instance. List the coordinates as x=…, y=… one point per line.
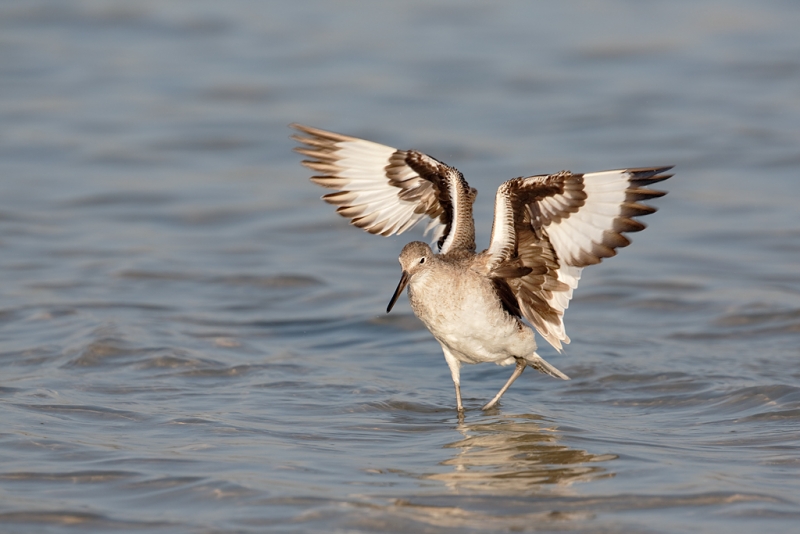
x=387, y=191
x=548, y=228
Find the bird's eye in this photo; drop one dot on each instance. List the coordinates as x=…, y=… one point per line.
x=422, y=260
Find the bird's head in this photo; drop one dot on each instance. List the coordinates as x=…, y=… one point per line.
x=414, y=257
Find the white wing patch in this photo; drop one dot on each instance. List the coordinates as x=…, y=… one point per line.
x=578, y=235
x=503, y=242
x=369, y=194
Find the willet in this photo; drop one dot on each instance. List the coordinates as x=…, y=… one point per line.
x=546, y=229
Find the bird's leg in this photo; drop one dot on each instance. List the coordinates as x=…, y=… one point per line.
x=455, y=372
x=521, y=364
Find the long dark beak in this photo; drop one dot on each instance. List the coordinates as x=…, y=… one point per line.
x=397, y=292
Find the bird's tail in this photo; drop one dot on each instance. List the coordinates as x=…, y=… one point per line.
x=541, y=365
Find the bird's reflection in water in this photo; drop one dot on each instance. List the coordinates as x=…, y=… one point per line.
x=517, y=455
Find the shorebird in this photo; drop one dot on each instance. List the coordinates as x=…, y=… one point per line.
x=546, y=229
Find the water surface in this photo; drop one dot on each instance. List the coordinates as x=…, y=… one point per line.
x=191, y=341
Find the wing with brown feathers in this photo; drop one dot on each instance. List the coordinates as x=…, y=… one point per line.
x=387, y=191
x=558, y=224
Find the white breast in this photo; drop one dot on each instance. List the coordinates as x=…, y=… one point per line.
x=463, y=313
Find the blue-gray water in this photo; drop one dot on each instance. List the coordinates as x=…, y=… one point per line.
x=191, y=341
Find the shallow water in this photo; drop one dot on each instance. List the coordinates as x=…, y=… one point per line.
x=191, y=341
